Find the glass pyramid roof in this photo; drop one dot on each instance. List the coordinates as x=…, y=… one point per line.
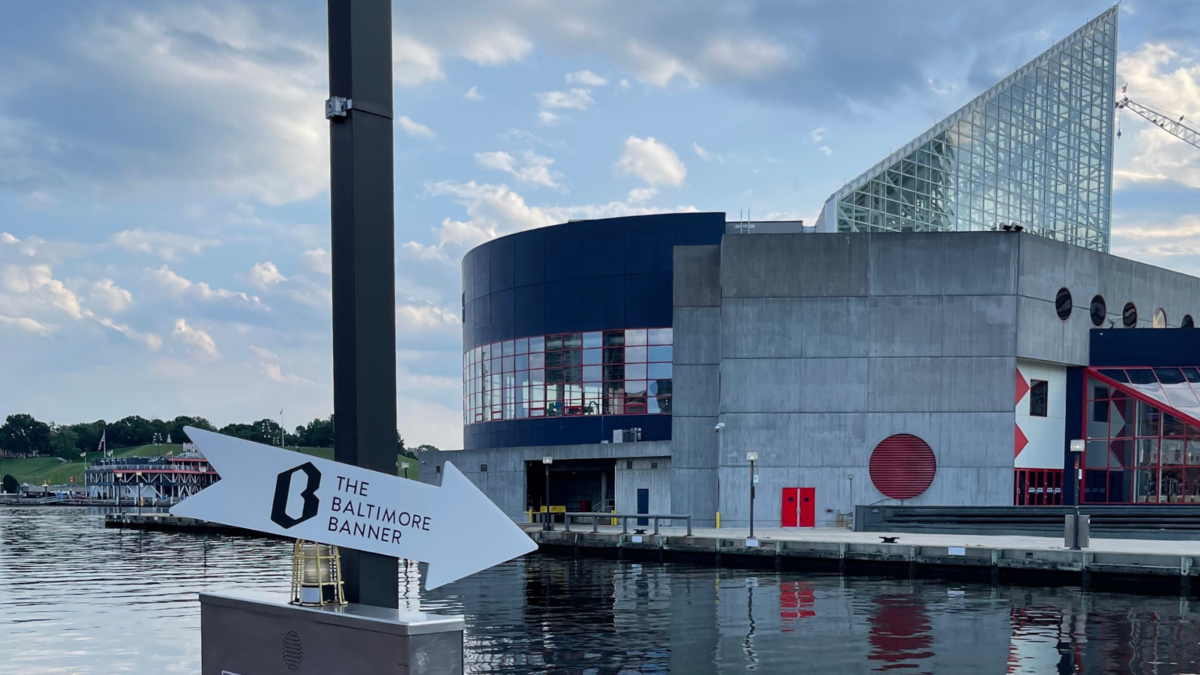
x=1034, y=150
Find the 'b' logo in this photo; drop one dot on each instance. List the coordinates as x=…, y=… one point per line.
x=283, y=486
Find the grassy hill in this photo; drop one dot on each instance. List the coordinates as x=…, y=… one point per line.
x=52, y=470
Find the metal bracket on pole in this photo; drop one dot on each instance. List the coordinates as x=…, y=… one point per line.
x=336, y=106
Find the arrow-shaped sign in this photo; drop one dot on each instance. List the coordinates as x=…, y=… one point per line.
x=455, y=527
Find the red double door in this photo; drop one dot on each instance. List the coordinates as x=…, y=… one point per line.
x=799, y=507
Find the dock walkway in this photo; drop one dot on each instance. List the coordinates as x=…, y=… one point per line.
x=1164, y=563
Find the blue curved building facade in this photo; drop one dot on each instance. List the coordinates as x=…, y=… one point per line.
x=567, y=330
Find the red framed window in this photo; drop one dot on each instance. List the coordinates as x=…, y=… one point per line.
x=1143, y=436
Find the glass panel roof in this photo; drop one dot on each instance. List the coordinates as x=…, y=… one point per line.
x=1167, y=387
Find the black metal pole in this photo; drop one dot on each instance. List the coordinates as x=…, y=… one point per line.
x=752, y=499
x=547, y=524
x=364, y=275
x=1078, y=486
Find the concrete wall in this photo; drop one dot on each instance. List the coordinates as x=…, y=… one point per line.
x=653, y=474
x=697, y=355
x=504, y=480
x=1046, y=266
x=832, y=343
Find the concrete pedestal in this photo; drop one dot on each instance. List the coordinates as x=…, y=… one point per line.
x=259, y=634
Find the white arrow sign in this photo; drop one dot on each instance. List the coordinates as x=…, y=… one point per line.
x=455, y=527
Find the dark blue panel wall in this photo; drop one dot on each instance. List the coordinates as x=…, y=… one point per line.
x=562, y=430
x=588, y=275
x=1145, y=347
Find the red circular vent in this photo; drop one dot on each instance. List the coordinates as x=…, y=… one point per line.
x=902, y=466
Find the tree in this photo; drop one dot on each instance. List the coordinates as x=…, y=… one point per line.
x=425, y=446
x=88, y=434
x=175, y=427
x=64, y=443
x=399, y=443
x=21, y=434
x=316, y=434
x=10, y=484
x=131, y=431
x=245, y=431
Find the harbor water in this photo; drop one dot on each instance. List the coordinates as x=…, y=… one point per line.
x=77, y=598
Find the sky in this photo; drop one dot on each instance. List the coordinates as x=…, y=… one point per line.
x=164, y=202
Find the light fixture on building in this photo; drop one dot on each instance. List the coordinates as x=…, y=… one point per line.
x=316, y=575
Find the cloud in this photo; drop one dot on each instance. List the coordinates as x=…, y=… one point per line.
x=269, y=362
x=575, y=99
x=817, y=135
x=149, y=339
x=166, y=245
x=495, y=210
x=274, y=372
x=638, y=195
x=220, y=101
x=178, y=286
x=1157, y=73
x=317, y=260
x=825, y=150
x=652, y=161
x=1169, y=240
x=533, y=169
x=657, y=66
x=414, y=129
x=705, y=154
x=110, y=296
x=414, y=63
x=36, y=286
x=265, y=275
x=473, y=94
x=266, y=354
x=742, y=58
x=25, y=324
x=587, y=78
x=199, y=341
x=496, y=45
x=425, y=317
x=625, y=84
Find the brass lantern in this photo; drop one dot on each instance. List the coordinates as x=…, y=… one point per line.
x=316, y=575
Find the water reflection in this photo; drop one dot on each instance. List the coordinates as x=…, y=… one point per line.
x=76, y=598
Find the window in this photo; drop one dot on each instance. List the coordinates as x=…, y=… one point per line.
x=1160, y=318
x=1038, y=393
x=1129, y=315
x=1098, y=310
x=616, y=372
x=653, y=465
x=483, y=468
x=1138, y=452
x=628, y=464
x=1062, y=304
x=1187, y=322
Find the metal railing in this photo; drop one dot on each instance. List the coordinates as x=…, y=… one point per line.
x=624, y=517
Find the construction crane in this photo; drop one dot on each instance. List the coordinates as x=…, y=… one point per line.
x=1168, y=123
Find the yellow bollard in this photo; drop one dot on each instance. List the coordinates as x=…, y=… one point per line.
x=718, y=520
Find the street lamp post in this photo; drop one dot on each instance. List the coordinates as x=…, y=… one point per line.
x=752, y=457
x=1077, y=448
x=547, y=524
